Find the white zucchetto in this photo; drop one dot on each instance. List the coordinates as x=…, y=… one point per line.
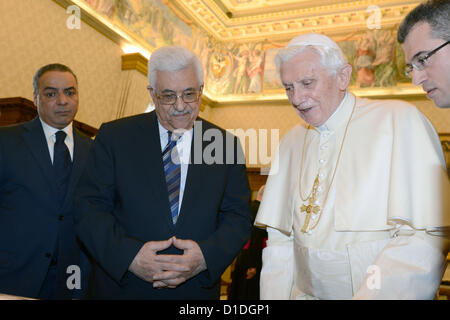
x=313, y=39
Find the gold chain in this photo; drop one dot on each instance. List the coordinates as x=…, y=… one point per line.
x=317, y=177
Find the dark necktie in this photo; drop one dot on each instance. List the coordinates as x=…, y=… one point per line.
x=62, y=165
x=172, y=170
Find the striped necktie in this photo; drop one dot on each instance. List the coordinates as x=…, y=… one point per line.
x=172, y=169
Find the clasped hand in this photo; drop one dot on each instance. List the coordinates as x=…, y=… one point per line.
x=168, y=270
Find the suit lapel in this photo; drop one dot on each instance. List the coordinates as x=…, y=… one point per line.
x=80, y=154
x=35, y=139
x=150, y=157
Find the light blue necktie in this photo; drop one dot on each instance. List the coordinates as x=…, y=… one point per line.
x=172, y=169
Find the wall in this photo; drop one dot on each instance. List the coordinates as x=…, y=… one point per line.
x=440, y=118
x=34, y=33
x=275, y=119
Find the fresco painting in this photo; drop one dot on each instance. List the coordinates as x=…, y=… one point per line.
x=249, y=68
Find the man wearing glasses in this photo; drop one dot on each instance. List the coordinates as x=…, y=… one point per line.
x=425, y=35
x=359, y=203
x=159, y=223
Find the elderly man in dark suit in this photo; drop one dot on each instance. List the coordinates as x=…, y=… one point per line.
x=40, y=163
x=162, y=210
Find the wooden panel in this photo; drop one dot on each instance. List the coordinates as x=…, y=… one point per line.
x=255, y=178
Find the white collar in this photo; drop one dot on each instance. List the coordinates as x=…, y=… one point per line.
x=50, y=131
x=340, y=115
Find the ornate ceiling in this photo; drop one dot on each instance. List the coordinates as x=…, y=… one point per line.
x=247, y=20
x=230, y=35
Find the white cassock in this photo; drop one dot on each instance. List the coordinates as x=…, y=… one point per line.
x=381, y=232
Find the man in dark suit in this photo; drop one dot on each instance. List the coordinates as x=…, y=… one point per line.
x=40, y=163
x=158, y=225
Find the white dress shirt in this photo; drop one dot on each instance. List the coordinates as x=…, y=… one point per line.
x=50, y=137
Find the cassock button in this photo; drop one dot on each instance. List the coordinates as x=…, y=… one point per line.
x=61, y=217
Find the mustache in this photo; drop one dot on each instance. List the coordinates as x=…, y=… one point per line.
x=180, y=113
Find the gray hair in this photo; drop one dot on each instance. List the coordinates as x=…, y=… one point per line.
x=435, y=12
x=173, y=58
x=50, y=67
x=330, y=58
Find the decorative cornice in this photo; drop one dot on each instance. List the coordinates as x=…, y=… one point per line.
x=135, y=61
x=114, y=32
x=291, y=19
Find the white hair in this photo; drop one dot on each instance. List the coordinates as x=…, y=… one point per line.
x=173, y=58
x=332, y=59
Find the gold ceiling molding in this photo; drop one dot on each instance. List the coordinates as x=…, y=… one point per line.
x=135, y=61
x=280, y=99
x=237, y=9
x=106, y=27
x=283, y=19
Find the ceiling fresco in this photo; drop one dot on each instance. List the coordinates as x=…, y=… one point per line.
x=280, y=19
x=237, y=40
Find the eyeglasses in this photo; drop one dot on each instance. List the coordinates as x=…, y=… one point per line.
x=420, y=62
x=188, y=96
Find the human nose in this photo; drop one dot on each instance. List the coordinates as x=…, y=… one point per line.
x=61, y=98
x=418, y=76
x=297, y=96
x=179, y=104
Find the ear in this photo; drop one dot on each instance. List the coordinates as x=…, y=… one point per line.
x=343, y=77
x=36, y=99
x=152, y=94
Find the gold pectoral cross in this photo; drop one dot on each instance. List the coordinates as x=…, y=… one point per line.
x=310, y=208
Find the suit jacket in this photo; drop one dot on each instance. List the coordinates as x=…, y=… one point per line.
x=32, y=222
x=122, y=202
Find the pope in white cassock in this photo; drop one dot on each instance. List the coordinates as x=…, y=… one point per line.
x=357, y=201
